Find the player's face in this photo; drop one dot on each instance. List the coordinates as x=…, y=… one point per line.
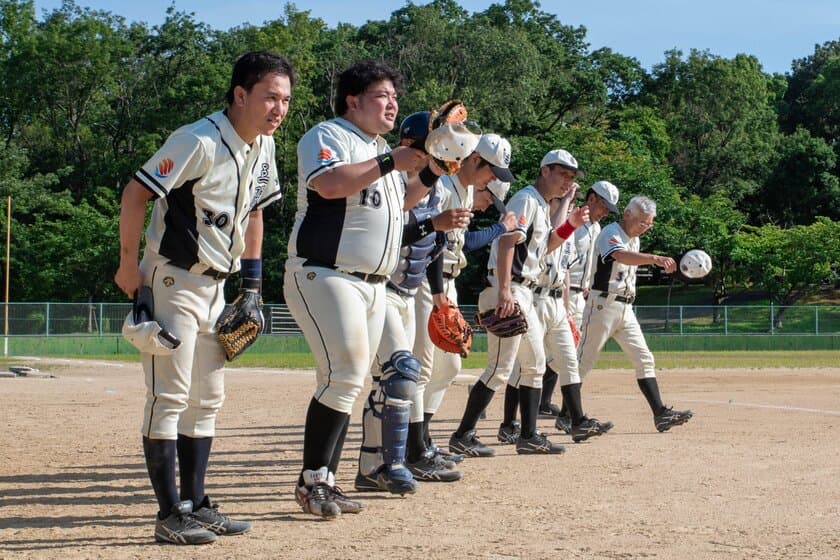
x=637, y=224
x=482, y=199
x=561, y=179
x=375, y=109
x=266, y=105
x=597, y=208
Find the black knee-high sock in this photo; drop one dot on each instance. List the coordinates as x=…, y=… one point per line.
x=193, y=456
x=529, y=405
x=650, y=389
x=573, y=402
x=339, y=447
x=160, y=462
x=549, y=383
x=479, y=398
x=323, y=430
x=416, y=444
x=511, y=404
x=427, y=436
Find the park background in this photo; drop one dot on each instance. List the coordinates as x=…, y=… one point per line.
x=743, y=163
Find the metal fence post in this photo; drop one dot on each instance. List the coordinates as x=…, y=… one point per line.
x=100, y=318
x=725, y=319
x=816, y=319
x=681, y=319
x=772, y=321
x=47, y=316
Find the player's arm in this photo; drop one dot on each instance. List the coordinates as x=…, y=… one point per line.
x=254, y=235
x=575, y=219
x=632, y=258
x=132, y=218
x=434, y=274
x=504, y=264
x=346, y=180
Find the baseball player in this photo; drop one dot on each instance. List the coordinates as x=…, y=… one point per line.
x=483, y=176
x=209, y=182
x=609, y=307
x=420, y=247
x=601, y=199
x=344, y=244
x=516, y=262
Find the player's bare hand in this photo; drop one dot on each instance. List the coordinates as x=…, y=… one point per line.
x=666, y=263
x=129, y=279
x=504, y=307
x=454, y=218
x=579, y=216
x=509, y=221
x=439, y=300
x=408, y=159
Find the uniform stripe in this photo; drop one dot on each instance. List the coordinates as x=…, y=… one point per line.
x=154, y=393
x=179, y=243
x=238, y=184
x=319, y=234
x=329, y=165
x=268, y=200
x=324, y=349
x=150, y=183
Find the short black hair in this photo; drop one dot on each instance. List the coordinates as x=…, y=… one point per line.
x=358, y=77
x=251, y=67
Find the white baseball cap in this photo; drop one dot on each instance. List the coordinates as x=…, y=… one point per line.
x=498, y=188
x=495, y=150
x=564, y=159
x=608, y=192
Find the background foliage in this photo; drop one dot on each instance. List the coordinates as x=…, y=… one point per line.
x=742, y=163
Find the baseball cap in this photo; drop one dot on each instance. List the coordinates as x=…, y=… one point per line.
x=495, y=150
x=564, y=159
x=608, y=192
x=498, y=188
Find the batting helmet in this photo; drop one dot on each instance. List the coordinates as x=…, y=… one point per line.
x=141, y=329
x=415, y=125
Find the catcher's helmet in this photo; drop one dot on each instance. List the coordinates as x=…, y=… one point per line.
x=415, y=125
x=696, y=263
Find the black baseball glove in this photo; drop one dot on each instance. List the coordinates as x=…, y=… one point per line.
x=240, y=323
x=503, y=327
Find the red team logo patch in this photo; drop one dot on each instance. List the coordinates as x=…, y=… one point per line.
x=164, y=168
x=324, y=155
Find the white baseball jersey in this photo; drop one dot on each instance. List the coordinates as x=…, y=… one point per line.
x=580, y=272
x=360, y=233
x=454, y=195
x=555, y=266
x=198, y=220
x=532, y=231
x=612, y=276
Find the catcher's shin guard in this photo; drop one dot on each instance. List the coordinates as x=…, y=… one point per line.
x=397, y=384
x=370, y=454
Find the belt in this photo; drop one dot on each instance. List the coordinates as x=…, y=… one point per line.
x=622, y=299
x=515, y=278
x=555, y=293
x=575, y=289
x=397, y=289
x=448, y=275
x=369, y=278
x=211, y=272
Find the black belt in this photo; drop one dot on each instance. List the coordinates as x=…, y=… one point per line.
x=369, y=278
x=575, y=289
x=514, y=278
x=555, y=293
x=211, y=272
x=448, y=275
x=622, y=299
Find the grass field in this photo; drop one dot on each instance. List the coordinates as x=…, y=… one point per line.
x=608, y=360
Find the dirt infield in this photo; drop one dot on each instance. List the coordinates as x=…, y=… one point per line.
x=753, y=475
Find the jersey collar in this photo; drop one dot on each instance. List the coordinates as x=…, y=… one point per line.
x=344, y=123
x=229, y=134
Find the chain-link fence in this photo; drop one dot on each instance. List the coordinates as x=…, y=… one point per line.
x=105, y=319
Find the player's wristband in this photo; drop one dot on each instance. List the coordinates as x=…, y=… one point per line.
x=386, y=164
x=565, y=230
x=251, y=275
x=428, y=177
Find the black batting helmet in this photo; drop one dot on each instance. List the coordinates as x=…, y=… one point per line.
x=415, y=125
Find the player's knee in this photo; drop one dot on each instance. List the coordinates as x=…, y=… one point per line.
x=399, y=375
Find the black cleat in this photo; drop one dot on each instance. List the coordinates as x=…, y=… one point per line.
x=510, y=433
x=538, y=444
x=470, y=446
x=670, y=417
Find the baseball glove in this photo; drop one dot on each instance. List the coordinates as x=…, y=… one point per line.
x=240, y=323
x=449, y=330
x=503, y=327
x=450, y=140
x=575, y=331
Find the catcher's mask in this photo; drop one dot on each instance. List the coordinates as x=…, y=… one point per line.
x=141, y=329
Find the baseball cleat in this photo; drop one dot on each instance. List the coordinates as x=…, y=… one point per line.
x=317, y=500
x=208, y=516
x=538, y=444
x=670, y=417
x=394, y=480
x=433, y=468
x=589, y=427
x=551, y=411
x=453, y=458
x=180, y=527
x=344, y=503
x=564, y=424
x=470, y=446
x=509, y=434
